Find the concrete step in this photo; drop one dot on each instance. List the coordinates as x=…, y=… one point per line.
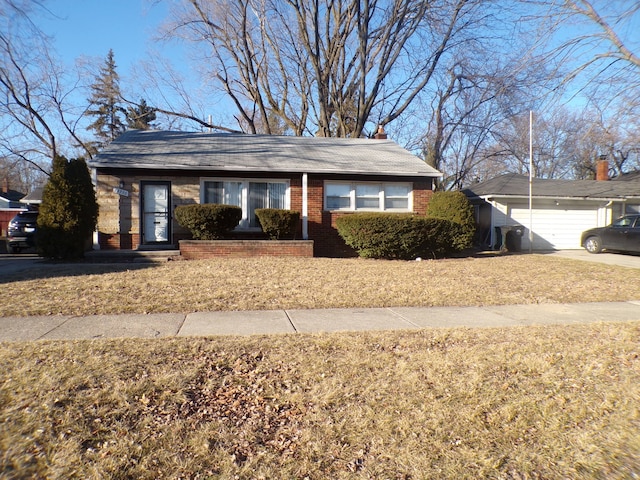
x=134, y=256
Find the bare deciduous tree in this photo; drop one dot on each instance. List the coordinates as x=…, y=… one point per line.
x=604, y=54
x=563, y=145
x=613, y=134
x=33, y=90
x=599, y=61
x=325, y=67
x=499, y=78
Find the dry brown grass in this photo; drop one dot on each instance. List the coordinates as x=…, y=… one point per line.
x=271, y=283
x=518, y=403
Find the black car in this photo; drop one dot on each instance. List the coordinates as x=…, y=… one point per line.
x=22, y=231
x=623, y=235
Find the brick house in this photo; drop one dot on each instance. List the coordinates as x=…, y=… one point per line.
x=144, y=175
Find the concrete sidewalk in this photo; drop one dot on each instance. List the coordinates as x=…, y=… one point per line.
x=308, y=321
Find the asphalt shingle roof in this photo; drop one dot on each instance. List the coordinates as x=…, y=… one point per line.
x=153, y=149
x=514, y=185
x=11, y=195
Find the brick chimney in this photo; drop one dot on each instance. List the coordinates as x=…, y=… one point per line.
x=602, y=170
x=380, y=135
x=5, y=185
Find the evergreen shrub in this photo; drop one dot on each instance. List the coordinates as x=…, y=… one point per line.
x=278, y=223
x=395, y=236
x=69, y=211
x=456, y=208
x=208, y=221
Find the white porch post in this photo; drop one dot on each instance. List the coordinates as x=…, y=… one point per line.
x=305, y=207
x=94, y=180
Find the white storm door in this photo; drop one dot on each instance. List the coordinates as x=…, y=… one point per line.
x=156, y=208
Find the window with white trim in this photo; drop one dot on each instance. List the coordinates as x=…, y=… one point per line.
x=337, y=196
x=247, y=194
x=368, y=196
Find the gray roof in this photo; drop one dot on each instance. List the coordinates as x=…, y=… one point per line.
x=514, y=185
x=11, y=195
x=34, y=197
x=168, y=150
x=627, y=177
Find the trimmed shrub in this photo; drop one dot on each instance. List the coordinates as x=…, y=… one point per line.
x=455, y=207
x=208, y=221
x=394, y=236
x=69, y=211
x=277, y=223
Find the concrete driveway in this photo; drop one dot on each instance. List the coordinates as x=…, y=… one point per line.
x=620, y=259
x=17, y=263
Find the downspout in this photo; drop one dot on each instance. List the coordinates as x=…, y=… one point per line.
x=305, y=206
x=491, y=223
x=608, y=215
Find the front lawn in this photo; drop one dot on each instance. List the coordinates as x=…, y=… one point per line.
x=513, y=403
x=517, y=403
x=301, y=283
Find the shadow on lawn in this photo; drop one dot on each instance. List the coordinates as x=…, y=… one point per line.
x=40, y=269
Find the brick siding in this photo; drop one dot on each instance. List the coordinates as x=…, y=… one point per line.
x=322, y=223
x=118, y=241
x=119, y=218
x=5, y=217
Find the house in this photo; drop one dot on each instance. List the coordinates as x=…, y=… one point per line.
x=34, y=198
x=561, y=209
x=10, y=206
x=144, y=175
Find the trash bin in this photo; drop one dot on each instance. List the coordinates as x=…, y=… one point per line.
x=514, y=239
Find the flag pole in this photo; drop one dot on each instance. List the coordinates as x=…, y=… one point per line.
x=530, y=181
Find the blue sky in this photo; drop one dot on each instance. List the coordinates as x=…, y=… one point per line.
x=91, y=27
x=86, y=29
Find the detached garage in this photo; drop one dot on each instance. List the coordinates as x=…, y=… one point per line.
x=561, y=209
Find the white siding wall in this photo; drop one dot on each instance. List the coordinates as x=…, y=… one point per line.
x=554, y=226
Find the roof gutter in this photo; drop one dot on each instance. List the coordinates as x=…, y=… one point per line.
x=236, y=168
x=490, y=198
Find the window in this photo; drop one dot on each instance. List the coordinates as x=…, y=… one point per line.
x=397, y=197
x=368, y=196
x=247, y=194
x=227, y=193
x=630, y=209
x=338, y=196
x=627, y=222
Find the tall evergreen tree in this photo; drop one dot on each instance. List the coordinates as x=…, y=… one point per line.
x=140, y=116
x=105, y=104
x=69, y=210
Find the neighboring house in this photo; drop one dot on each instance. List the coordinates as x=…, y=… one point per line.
x=561, y=209
x=10, y=205
x=144, y=175
x=33, y=199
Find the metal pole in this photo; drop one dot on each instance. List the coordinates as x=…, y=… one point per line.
x=530, y=181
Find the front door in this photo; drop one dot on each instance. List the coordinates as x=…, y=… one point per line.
x=156, y=208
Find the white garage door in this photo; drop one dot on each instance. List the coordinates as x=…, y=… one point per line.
x=555, y=228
